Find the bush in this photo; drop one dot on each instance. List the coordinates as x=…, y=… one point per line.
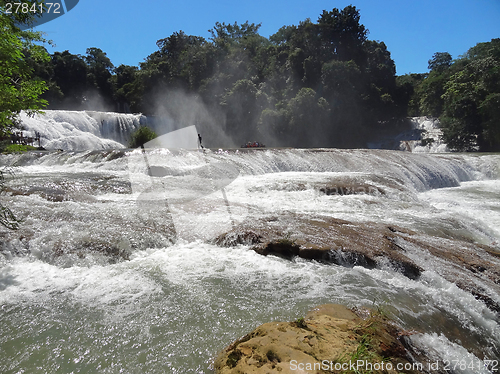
x=141, y=136
x=18, y=148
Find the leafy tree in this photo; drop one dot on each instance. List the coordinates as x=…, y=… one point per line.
x=464, y=94
x=430, y=94
x=127, y=88
x=141, y=136
x=321, y=77
x=283, y=35
x=484, y=50
x=470, y=116
x=70, y=73
x=99, y=72
x=342, y=34
x=307, y=119
x=440, y=61
x=225, y=35
x=19, y=90
x=241, y=103
x=179, y=59
x=406, y=86
x=182, y=62
x=341, y=85
x=490, y=113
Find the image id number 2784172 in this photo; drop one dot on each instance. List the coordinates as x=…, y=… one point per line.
x=17, y=8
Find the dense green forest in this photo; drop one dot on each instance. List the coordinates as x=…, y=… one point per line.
x=464, y=94
x=20, y=88
x=317, y=84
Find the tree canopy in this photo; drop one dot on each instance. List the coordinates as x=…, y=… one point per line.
x=465, y=95
x=19, y=88
x=275, y=88
x=318, y=83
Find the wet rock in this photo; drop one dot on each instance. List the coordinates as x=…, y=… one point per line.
x=329, y=335
x=375, y=245
x=351, y=189
x=281, y=247
x=50, y=194
x=328, y=240
x=234, y=238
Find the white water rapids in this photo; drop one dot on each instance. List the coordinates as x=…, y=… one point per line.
x=113, y=270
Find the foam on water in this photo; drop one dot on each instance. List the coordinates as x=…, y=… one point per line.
x=81, y=130
x=170, y=308
x=475, y=202
x=429, y=129
x=451, y=357
x=175, y=307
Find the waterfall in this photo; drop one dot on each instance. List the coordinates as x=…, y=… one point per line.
x=81, y=130
x=423, y=135
x=429, y=136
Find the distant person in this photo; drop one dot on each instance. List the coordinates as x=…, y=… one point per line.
x=199, y=141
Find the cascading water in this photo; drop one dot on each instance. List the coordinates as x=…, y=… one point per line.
x=114, y=267
x=424, y=135
x=82, y=130
x=428, y=136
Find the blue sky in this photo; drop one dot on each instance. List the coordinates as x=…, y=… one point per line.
x=413, y=30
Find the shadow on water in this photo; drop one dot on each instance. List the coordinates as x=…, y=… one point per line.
x=6, y=279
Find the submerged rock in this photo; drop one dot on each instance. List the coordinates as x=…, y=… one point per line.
x=470, y=266
x=331, y=338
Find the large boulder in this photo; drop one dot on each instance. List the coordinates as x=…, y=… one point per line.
x=331, y=338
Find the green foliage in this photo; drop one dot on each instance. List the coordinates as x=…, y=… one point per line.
x=141, y=136
x=407, y=86
x=342, y=34
x=127, y=87
x=484, y=50
x=18, y=89
x=242, y=102
x=470, y=116
x=68, y=72
x=430, y=94
x=99, y=72
x=313, y=84
x=364, y=351
x=18, y=148
x=80, y=82
x=440, y=62
x=301, y=323
x=464, y=94
x=489, y=110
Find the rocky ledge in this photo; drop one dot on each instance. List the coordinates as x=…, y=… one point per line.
x=331, y=338
x=375, y=245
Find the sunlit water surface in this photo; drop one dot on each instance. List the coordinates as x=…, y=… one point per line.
x=172, y=306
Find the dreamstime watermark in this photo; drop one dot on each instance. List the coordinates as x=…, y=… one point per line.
x=179, y=185
x=42, y=11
